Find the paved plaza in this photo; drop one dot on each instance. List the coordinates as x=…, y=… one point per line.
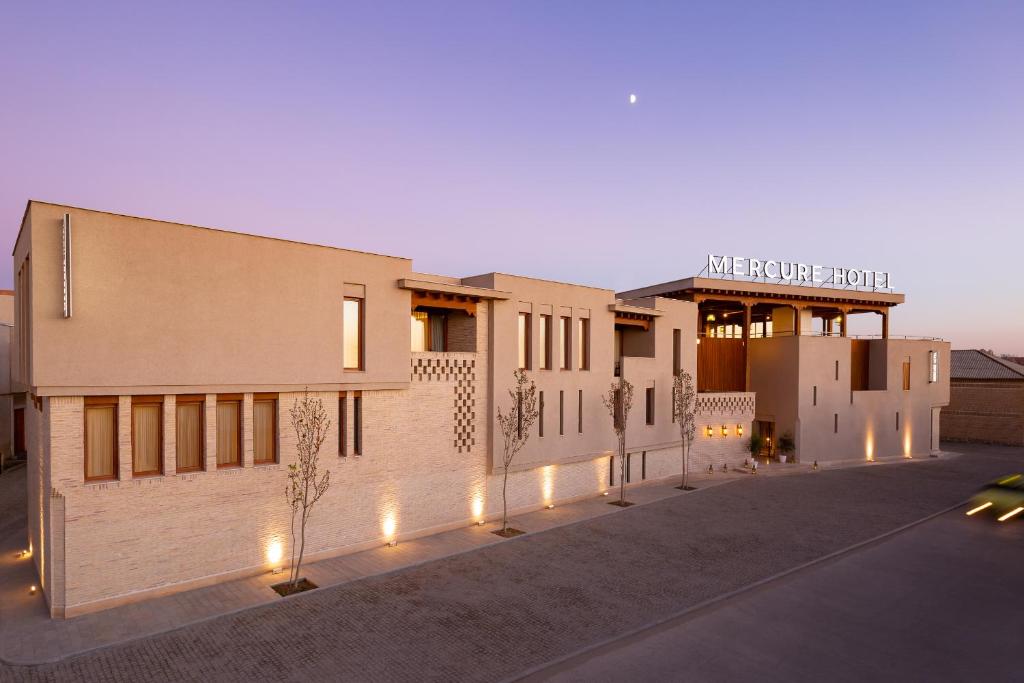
x=499, y=611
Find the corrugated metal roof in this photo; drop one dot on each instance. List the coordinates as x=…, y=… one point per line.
x=977, y=364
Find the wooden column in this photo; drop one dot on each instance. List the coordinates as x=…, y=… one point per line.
x=746, y=346
x=797, y=310
x=885, y=324
x=843, y=317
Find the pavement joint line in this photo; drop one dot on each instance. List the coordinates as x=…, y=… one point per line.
x=557, y=665
x=388, y=572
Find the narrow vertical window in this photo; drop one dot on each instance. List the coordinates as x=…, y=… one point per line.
x=561, y=413
x=897, y=420
x=264, y=429
x=906, y=375
x=933, y=366
x=540, y=413
x=420, y=331
x=352, y=325
x=100, y=438
x=519, y=414
x=611, y=471
x=583, y=343
x=837, y=371
x=650, y=405
x=643, y=465
x=545, y=342
x=677, y=351
x=579, y=415
x=835, y=423
x=147, y=436
x=629, y=467
x=229, y=431
x=815, y=399
x=343, y=425
x=357, y=424
x=565, y=342
x=524, y=341
x=190, y=437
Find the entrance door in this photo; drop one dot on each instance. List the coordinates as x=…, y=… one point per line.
x=766, y=429
x=19, y=433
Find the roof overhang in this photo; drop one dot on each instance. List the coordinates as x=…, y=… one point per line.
x=749, y=291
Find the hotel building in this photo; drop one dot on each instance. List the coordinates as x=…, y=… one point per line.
x=156, y=365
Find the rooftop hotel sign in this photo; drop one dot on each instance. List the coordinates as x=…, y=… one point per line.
x=796, y=273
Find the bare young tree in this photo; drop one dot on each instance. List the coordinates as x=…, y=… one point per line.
x=619, y=401
x=684, y=407
x=305, y=485
x=515, y=427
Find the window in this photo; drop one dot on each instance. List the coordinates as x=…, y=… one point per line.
x=357, y=424
x=565, y=347
x=229, y=430
x=147, y=435
x=579, y=416
x=540, y=413
x=906, y=375
x=545, y=342
x=343, y=425
x=933, y=366
x=519, y=414
x=643, y=465
x=583, y=343
x=629, y=467
x=677, y=351
x=835, y=423
x=815, y=398
x=611, y=471
x=650, y=405
x=23, y=320
x=561, y=413
x=897, y=420
x=837, y=371
x=429, y=331
x=100, y=438
x=352, y=326
x=524, y=341
x=190, y=437
x=264, y=428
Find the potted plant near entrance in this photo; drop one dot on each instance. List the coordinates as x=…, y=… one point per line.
x=756, y=445
x=786, y=446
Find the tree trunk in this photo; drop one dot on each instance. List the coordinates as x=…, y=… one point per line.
x=686, y=464
x=622, y=470
x=291, y=567
x=504, y=500
x=302, y=549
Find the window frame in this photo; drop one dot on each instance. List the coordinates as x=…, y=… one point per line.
x=357, y=423
x=274, y=439
x=239, y=399
x=360, y=335
x=184, y=400
x=933, y=367
x=565, y=342
x=906, y=375
x=544, y=337
x=524, y=331
x=583, y=344
x=649, y=406
x=161, y=466
x=101, y=402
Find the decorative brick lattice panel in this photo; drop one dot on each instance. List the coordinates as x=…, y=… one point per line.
x=462, y=372
x=725, y=404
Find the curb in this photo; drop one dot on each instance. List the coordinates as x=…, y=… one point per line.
x=540, y=671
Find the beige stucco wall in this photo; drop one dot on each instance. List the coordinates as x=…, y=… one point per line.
x=785, y=371
x=191, y=309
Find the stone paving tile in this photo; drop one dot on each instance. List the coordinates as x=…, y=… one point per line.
x=498, y=610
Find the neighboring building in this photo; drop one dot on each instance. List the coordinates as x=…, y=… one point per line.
x=986, y=402
x=11, y=445
x=158, y=363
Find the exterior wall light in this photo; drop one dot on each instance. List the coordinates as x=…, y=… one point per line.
x=711, y=469
x=710, y=431
x=32, y=590
x=604, y=493
x=274, y=554
x=739, y=430
x=725, y=430
x=479, y=522
x=550, y=506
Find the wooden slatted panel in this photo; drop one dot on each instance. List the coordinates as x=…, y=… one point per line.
x=860, y=364
x=720, y=365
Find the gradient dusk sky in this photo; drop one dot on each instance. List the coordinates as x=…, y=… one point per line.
x=484, y=136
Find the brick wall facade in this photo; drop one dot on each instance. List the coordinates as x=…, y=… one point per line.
x=985, y=411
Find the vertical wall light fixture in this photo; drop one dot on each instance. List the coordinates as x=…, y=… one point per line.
x=66, y=254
